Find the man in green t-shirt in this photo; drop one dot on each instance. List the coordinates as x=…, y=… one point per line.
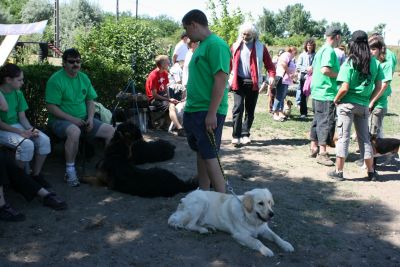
x=323, y=90
x=207, y=98
x=69, y=100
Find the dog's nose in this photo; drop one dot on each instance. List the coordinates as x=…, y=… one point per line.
x=271, y=214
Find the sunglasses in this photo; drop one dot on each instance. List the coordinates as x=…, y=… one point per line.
x=77, y=61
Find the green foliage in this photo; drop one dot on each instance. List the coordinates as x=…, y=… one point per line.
x=77, y=17
x=293, y=20
x=226, y=26
x=36, y=10
x=35, y=77
x=12, y=9
x=380, y=28
x=114, y=44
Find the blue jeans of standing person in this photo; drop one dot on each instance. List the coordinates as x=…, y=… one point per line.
x=281, y=92
x=245, y=100
x=302, y=100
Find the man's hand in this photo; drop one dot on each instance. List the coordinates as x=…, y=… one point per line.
x=27, y=133
x=78, y=122
x=211, y=122
x=89, y=125
x=173, y=101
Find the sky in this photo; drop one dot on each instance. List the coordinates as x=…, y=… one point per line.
x=358, y=14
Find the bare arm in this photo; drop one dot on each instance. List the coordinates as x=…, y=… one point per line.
x=329, y=72
x=56, y=111
x=341, y=93
x=163, y=98
x=220, y=79
x=3, y=103
x=380, y=88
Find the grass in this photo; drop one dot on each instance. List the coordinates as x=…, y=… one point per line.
x=297, y=128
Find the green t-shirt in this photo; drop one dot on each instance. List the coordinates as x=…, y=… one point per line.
x=324, y=88
x=387, y=71
x=212, y=55
x=70, y=94
x=391, y=57
x=16, y=103
x=360, y=86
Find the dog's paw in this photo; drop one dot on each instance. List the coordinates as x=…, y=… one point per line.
x=286, y=246
x=266, y=252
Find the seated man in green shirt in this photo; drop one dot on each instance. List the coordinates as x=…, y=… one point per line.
x=69, y=100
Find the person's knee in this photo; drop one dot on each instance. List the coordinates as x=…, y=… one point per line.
x=73, y=133
x=25, y=153
x=44, y=146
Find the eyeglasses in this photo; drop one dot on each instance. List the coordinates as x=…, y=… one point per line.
x=77, y=61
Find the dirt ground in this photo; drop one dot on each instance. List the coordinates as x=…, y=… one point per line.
x=349, y=223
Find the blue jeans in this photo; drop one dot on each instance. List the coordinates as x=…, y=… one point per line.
x=281, y=92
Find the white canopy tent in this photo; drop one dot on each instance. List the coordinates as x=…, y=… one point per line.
x=12, y=32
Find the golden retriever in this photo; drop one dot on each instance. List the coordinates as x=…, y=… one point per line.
x=244, y=217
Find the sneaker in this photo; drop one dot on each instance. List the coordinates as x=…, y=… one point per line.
x=181, y=132
x=9, y=214
x=40, y=180
x=245, y=140
x=323, y=158
x=373, y=176
x=303, y=116
x=52, y=201
x=235, y=141
x=338, y=176
x=71, y=179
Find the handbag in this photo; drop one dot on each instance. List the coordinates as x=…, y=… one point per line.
x=307, y=85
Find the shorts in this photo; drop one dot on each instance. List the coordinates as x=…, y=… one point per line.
x=59, y=128
x=198, y=139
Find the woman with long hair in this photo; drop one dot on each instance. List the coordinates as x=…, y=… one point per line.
x=304, y=66
x=357, y=77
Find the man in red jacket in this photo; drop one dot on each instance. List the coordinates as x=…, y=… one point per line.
x=249, y=55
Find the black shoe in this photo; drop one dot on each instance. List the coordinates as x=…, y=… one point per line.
x=52, y=201
x=373, y=176
x=338, y=176
x=11, y=215
x=40, y=180
x=181, y=132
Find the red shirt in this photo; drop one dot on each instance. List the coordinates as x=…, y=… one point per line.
x=159, y=81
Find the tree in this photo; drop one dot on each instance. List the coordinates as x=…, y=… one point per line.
x=77, y=16
x=112, y=44
x=346, y=34
x=13, y=8
x=267, y=23
x=36, y=10
x=226, y=26
x=380, y=28
x=294, y=20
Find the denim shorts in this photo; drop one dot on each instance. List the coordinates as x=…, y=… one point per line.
x=198, y=139
x=59, y=128
x=323, y=124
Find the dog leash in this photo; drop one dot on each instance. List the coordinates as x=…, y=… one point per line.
x=211, y=137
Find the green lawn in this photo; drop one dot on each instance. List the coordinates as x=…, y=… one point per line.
x=297, y=128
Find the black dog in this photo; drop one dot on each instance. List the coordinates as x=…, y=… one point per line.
x=384, y=146
x=118, y=172
x=145, y=151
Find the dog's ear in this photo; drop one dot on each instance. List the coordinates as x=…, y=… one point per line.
x=248, y=202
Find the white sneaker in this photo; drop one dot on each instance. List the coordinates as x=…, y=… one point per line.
x=245, y=140
x=303, y=116
x=235, y=141
x=71, y=179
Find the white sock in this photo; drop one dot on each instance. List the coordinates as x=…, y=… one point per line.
x=70, y=167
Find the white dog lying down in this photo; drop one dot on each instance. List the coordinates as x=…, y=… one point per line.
x=244, y=220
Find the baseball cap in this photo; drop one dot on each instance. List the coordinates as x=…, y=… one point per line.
x=359, y=36
x=333, y=30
